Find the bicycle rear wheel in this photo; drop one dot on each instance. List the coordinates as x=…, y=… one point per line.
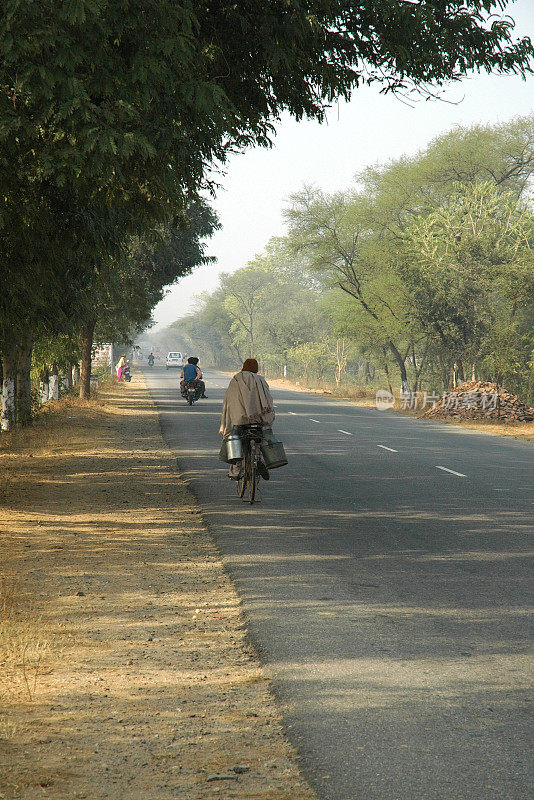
x=252, y=476
x=241, y=483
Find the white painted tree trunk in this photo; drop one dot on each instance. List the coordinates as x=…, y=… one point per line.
x=43, y=392
x=53, y=387
x=7, y=414
x=9, y=371
x=53, y=383
x=75, y=375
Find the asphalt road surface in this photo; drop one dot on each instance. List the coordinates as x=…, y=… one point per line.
x=385, y=578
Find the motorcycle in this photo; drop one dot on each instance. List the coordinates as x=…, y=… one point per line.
x=126, y=375
x=151, y=361
x=191, y=392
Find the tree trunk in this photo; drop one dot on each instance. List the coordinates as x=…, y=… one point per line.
x=24, y=389
x=419, y=369
x=386, y=370
x=9, y=368
x=402, y=367
x=444, y=372
x=43, y=385
x=53, y=384
x=86, y=342
x=75, y=374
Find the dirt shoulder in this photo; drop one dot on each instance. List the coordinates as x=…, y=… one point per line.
x=125, y=669
x=517, y=430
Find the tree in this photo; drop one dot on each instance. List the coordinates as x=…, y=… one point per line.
x=502, y=154
x=132, y=105
x=48, y=228
x=307, y=354
x=125, y=289
x=137, y=100
x=109, y=110
x=290, y=307
x=357, y=240
x=244, y=293
x=336, y=234
x=469, y=268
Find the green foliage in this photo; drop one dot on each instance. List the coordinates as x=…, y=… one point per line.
x=265, y=309
x=447, y=290
x=136, y=98
x=431, y=268
x=113, y=113
x=62, y=350
x=124, y=290
x=397, y=191
x=469, y=267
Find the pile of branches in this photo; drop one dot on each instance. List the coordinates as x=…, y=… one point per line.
x=479, y=400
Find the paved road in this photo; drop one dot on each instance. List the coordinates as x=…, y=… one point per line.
x=388, y=596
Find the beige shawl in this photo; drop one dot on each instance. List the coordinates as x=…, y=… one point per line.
x=247, y=400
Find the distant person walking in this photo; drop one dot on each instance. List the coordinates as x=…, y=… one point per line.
x=121, y=363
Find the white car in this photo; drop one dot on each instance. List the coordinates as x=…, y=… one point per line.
x=174, y=360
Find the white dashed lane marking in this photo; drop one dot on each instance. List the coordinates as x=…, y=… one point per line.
x=347, y=432
x=445, y=469
x=318, y=421
x=391, y=450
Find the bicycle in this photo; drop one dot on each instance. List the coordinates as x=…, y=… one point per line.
x=251, y=437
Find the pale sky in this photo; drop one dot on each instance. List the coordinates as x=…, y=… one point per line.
x=371, y=128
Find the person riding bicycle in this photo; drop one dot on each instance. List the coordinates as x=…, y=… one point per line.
x=191, y=372
x=247, y=401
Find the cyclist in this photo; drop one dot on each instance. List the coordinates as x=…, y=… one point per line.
x=191, y=372
x=247, y=401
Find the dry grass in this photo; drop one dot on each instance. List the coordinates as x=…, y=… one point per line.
x=362, y=394
x=25, y=654
x=24, y=642
x=517, y=430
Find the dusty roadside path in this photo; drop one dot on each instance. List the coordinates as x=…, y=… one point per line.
x=125, y=672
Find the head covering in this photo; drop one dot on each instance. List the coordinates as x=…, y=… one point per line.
x=250, y=365
x=192, y=360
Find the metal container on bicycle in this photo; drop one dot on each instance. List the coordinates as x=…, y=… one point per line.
x=234, y=448
x=272, y=449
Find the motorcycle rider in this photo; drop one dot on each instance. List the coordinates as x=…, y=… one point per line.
x=191, y=372
x=151, y=360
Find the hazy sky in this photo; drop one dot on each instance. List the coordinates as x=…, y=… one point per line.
x=371, y=128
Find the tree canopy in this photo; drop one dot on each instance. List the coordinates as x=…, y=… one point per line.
x=417, y=274
x=135, y=99
x=115, y=116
